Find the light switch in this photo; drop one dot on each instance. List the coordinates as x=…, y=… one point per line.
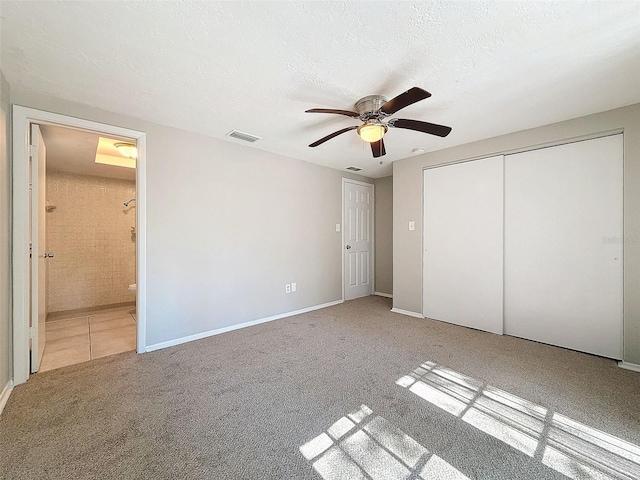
x=412, y=225
x=337, y=227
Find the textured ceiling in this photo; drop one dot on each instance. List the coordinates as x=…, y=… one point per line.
x=209, y=67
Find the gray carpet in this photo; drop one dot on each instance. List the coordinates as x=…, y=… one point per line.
x=344, y=392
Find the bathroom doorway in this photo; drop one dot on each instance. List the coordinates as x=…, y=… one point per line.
x=93, y=304
x=90, y=232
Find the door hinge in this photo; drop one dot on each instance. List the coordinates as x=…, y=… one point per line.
x=32, y=150
x=31, y=332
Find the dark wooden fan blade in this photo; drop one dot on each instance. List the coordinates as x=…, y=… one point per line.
x=348, y=113
x=330, y=136
x=405, y=99
x=378, y=148
x=432, y=128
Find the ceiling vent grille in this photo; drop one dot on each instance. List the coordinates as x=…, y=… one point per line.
x=247, y=137
x=354, y=169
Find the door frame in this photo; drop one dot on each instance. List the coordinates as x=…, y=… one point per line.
x=22, y=118
x=372, y=232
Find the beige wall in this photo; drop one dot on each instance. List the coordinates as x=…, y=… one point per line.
x=407, y=206
x=227, y=227
x=384, y=234
x=89, y=232
x=6, y=363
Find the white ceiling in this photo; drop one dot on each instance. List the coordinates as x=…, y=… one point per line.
x=74, y=151
x=492, y=67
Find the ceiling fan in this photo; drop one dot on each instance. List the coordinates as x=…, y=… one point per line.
x=373, y=111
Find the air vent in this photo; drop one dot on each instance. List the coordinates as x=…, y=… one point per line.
x=247, y=137
x=354, y=169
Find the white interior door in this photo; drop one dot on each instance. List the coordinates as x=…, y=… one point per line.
x=563, y=245
x=38, y=244
x=463, y=244
x=358, y=239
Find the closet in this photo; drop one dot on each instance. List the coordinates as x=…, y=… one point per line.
x=530, y=244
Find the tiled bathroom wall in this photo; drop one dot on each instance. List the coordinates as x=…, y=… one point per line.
x=92, y=237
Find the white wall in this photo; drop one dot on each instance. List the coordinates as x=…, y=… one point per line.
x=227, y=227
x=5, y=235
x=407, y=206
x=384, y=234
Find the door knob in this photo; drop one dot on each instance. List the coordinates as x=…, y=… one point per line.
x=348, y=247
x=48, y=255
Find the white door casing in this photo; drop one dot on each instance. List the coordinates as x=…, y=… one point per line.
x=358, y=211
x=38, y=247
x=564, y=245
x=463, y=244
x=23, y=117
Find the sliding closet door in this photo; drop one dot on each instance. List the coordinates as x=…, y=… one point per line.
x=563, y=245
x=463, y=231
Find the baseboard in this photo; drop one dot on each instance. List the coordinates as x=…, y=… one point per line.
x=629, y=366
x=407, y=312
x=53, y=316
x=380, y=294
x=217, y=331
x=4, y=396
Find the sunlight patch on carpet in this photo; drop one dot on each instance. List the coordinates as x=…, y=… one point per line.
x=569, y=447
x=364, y=445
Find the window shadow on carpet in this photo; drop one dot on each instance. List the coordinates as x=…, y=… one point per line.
x=362, y=445
x=565, y=445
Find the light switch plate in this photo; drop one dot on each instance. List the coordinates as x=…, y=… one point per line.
x=412, y=225
x=337, y=227
x=294, y=287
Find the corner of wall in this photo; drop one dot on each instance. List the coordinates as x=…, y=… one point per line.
x=6, y=331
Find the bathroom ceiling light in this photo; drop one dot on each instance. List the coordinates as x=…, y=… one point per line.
x=108, y=154
x=128, y=150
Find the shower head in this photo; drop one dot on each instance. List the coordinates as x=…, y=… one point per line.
x=126, y=204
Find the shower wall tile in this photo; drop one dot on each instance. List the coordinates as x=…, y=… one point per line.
x=89, y=231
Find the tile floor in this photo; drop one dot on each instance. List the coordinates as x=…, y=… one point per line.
x=85, y=337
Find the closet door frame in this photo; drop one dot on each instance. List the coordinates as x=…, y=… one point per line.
x=505, y=153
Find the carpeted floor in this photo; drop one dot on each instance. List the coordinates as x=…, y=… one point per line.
x=351, y=391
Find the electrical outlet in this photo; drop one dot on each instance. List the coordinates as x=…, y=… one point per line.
x=287, y=288
x=294, y=287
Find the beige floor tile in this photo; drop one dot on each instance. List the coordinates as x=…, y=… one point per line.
x=55, y=334
x=125, y=308
x=62, y=358
x=110, y=342
x=123, y=321
x=108, y=315
x=65, y=343
x=58, y=324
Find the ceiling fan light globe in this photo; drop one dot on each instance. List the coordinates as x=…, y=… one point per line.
x=372, y=132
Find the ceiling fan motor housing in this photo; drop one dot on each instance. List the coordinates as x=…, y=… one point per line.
x=370, y=104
